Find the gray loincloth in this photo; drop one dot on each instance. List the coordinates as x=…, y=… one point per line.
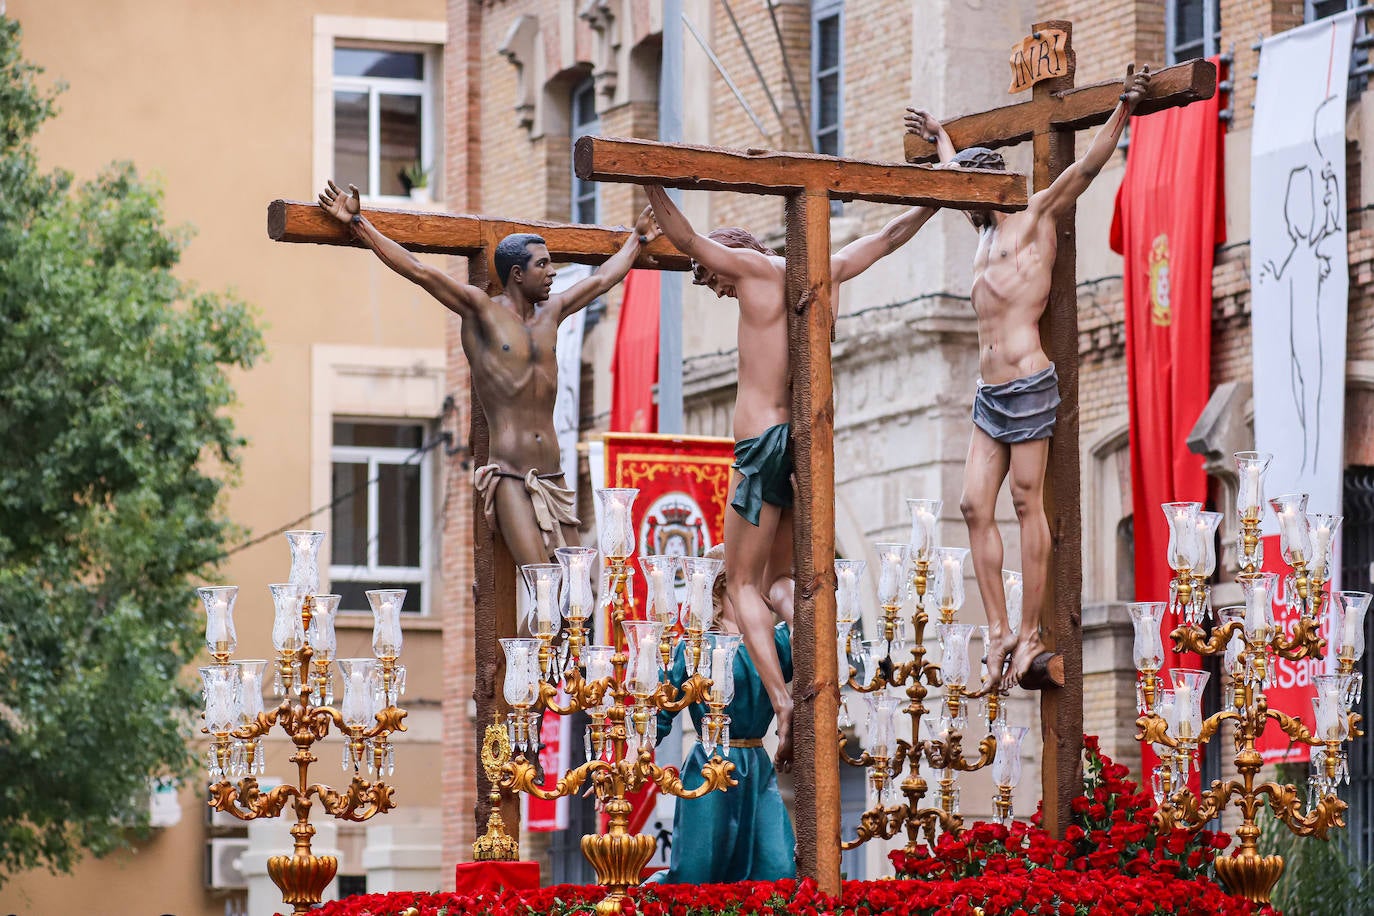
x=1020, y=410
x=553, y=505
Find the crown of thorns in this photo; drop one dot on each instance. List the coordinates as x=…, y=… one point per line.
x=980, y=157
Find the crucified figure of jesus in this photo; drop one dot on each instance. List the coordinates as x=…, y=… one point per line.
x=509, y=343
x=1018, y=390
x=733, y=263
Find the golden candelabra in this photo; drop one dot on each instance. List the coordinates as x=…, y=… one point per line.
x=936, y=582
x=303, y=635
x=621, y=689
x=1251, y=643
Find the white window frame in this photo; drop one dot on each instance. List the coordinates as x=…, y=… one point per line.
x=821, y=10
x=382, y=385
x=374, y=457
x=375, y=87
x=412, y=35
x=1211, y=31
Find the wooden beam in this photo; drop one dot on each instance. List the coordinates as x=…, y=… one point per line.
x=707, y=168
x=815, y=684
x=1068, y=109
x=458, y=234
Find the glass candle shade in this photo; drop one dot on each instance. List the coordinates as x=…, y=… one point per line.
x=1250, y=468
x=1349, y=637
x=521, y=686
x=882, y=727
x=1148, y=646
x=359, y=705
x=871, y=655
x=724, y=646
x=288, y=627
x=576, y=602
x=597, y=660
x=1013, y=586
x=386, y=620
x=848, y=575
x=1235, y=646
x=699, y=612
x=954, y=664
x=1006, y=765
x=949, y=576
x=1259, y=606
x=1332, y=722
x=925, y=522
x=660, y=572
x=1185, y=549
x=1166, y=709
x=1206, y=534
x=324, y=613
x=219, y=688
x=220, y=637
x=644, y=667
x=1322, y=528
x=305, y=560
x=1295, y=543
x=542, y=582
x=1188, y=686
x=249, y=676
x=892, y=559
x=617, y=536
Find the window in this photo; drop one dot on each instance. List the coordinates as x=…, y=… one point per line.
x=585, y=197
x=383, y=121
x=1359, y=55
x=1320, y=9
x=1192, y=29
x=381, y=533
x=827, y=76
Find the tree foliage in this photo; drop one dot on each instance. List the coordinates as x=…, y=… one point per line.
x=115, y=446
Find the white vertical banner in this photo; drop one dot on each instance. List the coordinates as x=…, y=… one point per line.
x=1298, y=260
x=567, y=409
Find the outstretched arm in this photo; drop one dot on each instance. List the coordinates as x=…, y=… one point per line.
x=464, y=300
x=612, y=271
x=730, y=262
x=1074, y=180
x=920, y=121
x=861, y=254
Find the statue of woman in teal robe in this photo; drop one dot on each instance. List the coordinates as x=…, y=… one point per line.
x=745, y=832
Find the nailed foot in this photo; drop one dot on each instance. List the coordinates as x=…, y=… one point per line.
x=999, y=649
x=1035, y=667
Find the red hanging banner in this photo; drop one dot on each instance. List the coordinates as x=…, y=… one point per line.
x=1170, y=216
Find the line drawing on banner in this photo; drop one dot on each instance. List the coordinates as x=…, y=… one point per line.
x=1306, y=345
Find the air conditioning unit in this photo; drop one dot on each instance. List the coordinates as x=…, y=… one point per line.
x=222, y=863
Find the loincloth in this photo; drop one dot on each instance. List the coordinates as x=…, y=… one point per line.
x=1020, y=410
x=553, y=505
x=765, y=466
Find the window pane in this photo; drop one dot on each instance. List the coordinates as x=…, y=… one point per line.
x=828, y=43
x=398, y=515
x=354, y=598
x=350, y=139
x=1187, y=22
x=828, y=99
x=368, y=62
x=400, y=140
x=380, y=435
x=583, y=108
x=828, y=144
x=1323, y=8
x=348, y=518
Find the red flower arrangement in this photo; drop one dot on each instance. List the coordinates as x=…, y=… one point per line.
x=1112, y=862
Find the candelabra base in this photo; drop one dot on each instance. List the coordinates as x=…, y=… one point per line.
x=302, y=879
x=619, y=859
x=1249, y=875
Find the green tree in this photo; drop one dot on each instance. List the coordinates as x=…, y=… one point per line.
x=115, y=446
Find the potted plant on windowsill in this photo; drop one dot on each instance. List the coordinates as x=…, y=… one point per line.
x=417, y=179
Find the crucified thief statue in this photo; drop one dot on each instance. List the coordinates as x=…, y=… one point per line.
x=732, y=263
x=509, y=343
x=1015, y=406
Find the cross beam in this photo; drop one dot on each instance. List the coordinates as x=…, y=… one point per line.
x=808, y=182
x=475, y=237
x=1049, y=120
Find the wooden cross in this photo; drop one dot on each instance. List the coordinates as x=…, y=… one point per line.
x=808, y=182
x=1049, y=120
x=475, y=237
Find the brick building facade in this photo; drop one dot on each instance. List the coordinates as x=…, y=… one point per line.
x=906, y=357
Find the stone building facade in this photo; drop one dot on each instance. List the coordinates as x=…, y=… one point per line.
x=905, y=360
